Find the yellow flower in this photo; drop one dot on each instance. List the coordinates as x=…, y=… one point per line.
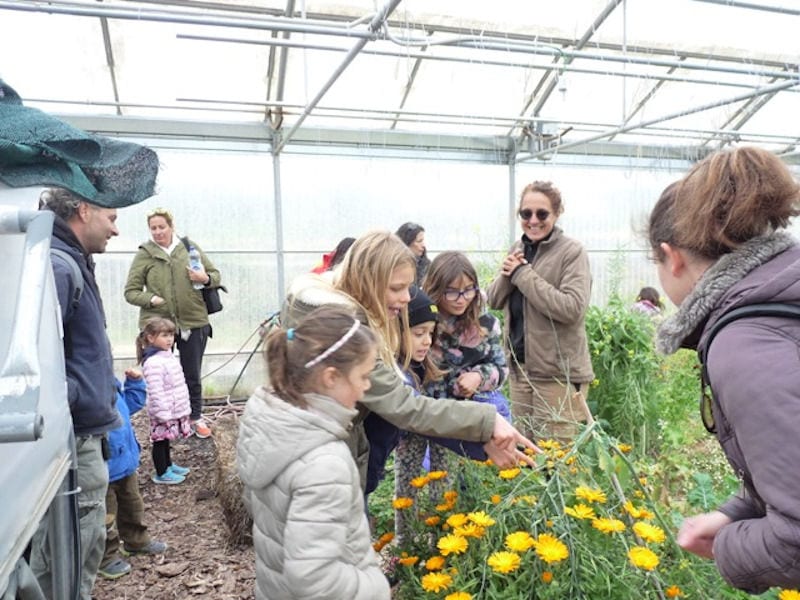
x=452, y=544
x=580, y=511
x=496, y=499
x=402, y=503
x=549, y=444
x=608, y=525
x=624, y=448
x=433, y=521
x=637, y=513
x=649, y=533
x=638, y=494
x=527, y=499
x=550, y=549
x=643, y=481
x=443, y=507
x=789, y=595
x=435, y=475
x=386, y=538
x=450, y=496
x=481, y=519
x=674, y=591
x=519, y=541
x=409, y=561
x=547, y=577
x=435, y=563
x=457, y=520
x=596, y=382
x=419, y=482
x=642, y=557
x=458, y=596
x=503, y=562
x=590, y=494
x=509, y=473
x=470, y=530
x=436, y=582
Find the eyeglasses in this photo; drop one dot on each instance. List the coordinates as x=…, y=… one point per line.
x=541, y=214
x=452, y=295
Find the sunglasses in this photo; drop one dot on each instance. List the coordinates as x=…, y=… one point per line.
x=541, y=214
x=452, y=295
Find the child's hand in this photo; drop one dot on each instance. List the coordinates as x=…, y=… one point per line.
x=468, y=383
x=133, y=373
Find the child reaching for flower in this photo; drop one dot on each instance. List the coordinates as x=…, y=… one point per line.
x=168, y=403
x=301, y=483
x=420, y=371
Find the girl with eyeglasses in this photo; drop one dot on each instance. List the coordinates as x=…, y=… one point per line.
x=543, y=288
x=468, y=339
x=375, y=279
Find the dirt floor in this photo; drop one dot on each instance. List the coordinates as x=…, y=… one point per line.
x=199, y=562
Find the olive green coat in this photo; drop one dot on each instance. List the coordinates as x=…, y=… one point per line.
x=154, y=273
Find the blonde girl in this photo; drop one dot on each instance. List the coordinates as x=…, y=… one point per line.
x=375, y=279
x=302, y=487
x=168, y=404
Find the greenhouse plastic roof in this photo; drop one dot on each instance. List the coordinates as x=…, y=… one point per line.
x=519, y=80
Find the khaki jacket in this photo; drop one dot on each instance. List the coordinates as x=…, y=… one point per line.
x=556, y=287
x=154, y=273
x=388, y=396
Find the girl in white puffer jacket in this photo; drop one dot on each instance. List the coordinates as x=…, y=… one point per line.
x=302, y=488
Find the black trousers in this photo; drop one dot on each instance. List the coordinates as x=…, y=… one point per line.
x=191, y=356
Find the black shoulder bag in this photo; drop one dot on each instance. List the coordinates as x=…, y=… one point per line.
x=210, y=294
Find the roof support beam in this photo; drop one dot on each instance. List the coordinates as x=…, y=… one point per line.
x=112, y=70
x=376, y=23
x=776, y=87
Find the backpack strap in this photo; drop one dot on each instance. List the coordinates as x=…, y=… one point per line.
x=77, y=275
x=765, y=309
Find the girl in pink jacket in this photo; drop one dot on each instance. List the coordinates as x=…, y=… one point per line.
x=167, y=396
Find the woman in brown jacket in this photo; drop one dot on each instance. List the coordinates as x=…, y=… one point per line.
x=543, y=288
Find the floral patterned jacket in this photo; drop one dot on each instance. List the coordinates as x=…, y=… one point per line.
x=474, y=350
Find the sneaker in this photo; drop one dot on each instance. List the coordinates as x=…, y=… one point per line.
x=178, y=470
x=200, y=429
x=168, y=478
x=154, y=547
x=115, y=569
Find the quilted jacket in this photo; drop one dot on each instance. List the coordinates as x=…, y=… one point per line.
x=167, y=394
x=310, y=531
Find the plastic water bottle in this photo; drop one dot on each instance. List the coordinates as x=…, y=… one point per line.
x=195, y=265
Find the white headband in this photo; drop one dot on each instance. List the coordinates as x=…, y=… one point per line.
x=338, y=344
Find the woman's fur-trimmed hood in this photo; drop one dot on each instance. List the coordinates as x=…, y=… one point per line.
x=683, y=328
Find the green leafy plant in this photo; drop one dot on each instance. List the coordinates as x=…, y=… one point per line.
x=582, y=524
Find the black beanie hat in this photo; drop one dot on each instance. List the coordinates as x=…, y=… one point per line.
x=421, y=309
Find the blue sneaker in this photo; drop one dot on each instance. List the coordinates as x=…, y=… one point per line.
x=178, y=470
x=168, y=478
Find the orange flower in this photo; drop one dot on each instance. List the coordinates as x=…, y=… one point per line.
x=402, y=503
x=436, y=475
x=435, y=563
x=547, y=577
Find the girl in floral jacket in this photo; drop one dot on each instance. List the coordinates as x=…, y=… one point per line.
x=467, y=343
x=167, y=396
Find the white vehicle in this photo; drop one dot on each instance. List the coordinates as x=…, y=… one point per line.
x=37, y=467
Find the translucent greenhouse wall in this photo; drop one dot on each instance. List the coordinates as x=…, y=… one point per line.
x=223, y=197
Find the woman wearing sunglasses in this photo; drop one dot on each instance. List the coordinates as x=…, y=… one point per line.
x=543, y=288
x=162, y=283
